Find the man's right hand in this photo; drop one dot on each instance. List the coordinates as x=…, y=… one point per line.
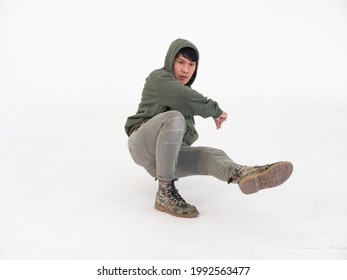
x=222, y=118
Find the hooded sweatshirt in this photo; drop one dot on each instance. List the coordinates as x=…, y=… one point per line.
x=162, y=92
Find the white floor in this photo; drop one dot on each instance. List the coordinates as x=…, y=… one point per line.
x=69, y=189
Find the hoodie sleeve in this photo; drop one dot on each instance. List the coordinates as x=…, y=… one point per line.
x=186, y=100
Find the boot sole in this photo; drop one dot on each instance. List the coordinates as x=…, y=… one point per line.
x=274, y=176
x=162, y=209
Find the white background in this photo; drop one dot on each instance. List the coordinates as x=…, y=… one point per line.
x=72, y=71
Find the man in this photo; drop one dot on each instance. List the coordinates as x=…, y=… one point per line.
x=162, y=132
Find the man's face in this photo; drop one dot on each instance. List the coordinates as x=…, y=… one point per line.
x=183, y=69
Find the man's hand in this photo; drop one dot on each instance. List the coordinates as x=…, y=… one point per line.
x=222, y=118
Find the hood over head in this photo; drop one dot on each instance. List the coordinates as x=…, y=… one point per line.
x=174, y=48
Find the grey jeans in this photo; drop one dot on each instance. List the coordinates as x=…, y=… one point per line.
x=157, y=146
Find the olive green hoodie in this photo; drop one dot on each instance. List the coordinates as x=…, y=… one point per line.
x=162, y=92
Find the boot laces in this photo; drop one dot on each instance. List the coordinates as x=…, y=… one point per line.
x=174, y=194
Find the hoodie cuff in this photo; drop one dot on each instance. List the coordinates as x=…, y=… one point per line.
x=218, y=113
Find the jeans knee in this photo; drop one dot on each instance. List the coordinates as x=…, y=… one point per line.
x=175, y=121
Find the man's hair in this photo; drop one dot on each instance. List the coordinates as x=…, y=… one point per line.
x=188, y=53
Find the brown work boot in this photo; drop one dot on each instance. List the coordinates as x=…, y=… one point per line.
x=169, y=200
x=251, y=179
